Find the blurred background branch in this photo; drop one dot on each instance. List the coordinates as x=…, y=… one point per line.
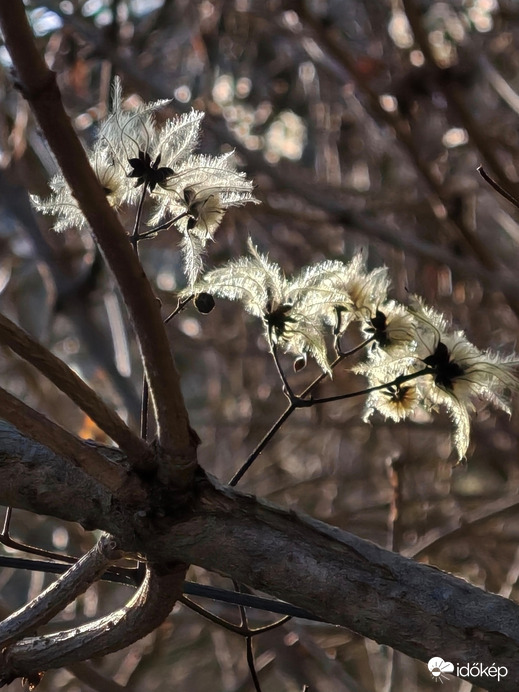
x=363, y=124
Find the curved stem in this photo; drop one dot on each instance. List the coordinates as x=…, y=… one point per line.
x=497, y=187
x=397, y=381
x=60, y=593
x=287, y=390
x=148, y=608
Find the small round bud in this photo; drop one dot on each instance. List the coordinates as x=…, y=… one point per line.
x=204, y=303
x=300, y=363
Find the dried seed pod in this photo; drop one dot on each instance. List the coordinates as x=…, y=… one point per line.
x=204, y=303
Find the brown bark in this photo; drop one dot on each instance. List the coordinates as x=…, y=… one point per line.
x=38, y=84
x=342, y=579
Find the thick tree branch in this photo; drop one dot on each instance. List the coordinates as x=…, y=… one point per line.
x=342, y=579
x=38, y=84
x=148, y=608
x=60, y=593
x=338, y=577
x=73, y=386
x=60, y=441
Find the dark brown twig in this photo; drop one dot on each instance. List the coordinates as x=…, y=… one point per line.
x=497, y=187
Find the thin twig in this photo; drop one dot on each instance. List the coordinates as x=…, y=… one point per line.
x=94, y=680
x=180, y=306
x=497, y=187
x=129, y=577
x=261, y=446
x=5, y=539
x=163, y=227
x=396, y=382
x=252, y=667
x=288, y=412
x=60, y=593
x=134, y=238
x=287, y=389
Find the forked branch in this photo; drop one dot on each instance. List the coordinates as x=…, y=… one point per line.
x=38, y=85
x=148, y=608
x=73, y=386
x=60, y=593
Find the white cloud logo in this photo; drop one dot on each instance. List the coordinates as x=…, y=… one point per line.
x=438, y=667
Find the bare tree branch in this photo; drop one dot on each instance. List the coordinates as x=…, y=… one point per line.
x=334, y=575
x=32, y=475
x=148, y=608
x=42, y=429
x=39, y=87
x=58, y=595
x=73, y=386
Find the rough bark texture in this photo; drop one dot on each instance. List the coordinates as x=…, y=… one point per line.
x=342, y=579
x=141, y=615
x=338, y=577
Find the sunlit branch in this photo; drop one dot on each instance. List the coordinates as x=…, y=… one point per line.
x=148, y=608
x=396, y=382
x=38, y=85
x=58, y=595
x=72, y=385
x=40, y=428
